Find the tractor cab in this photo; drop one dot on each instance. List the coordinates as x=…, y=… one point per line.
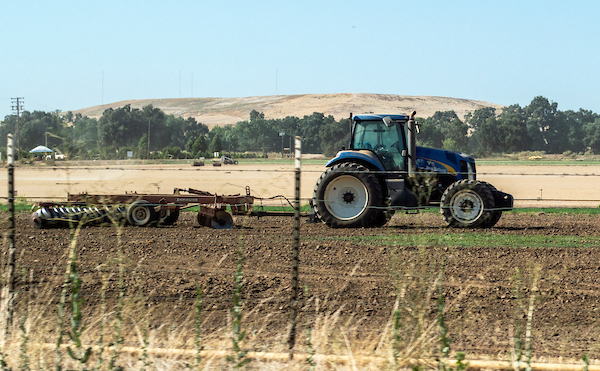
x=382, y=135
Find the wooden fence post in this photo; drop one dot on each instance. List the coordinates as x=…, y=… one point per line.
x=295, y=253
x=9, y=281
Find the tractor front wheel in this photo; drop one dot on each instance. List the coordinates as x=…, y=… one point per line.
x=467, y=204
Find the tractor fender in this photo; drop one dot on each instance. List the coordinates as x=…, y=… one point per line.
x=363, y=157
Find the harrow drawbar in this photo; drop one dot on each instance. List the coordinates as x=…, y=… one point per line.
x=143, y=210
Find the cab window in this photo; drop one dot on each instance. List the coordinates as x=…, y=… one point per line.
x=386, y=142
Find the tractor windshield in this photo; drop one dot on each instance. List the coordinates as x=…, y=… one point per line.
x=386, y=142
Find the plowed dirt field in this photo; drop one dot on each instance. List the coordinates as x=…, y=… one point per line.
x=356, y=279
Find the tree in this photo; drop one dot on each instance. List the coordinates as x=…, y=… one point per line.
x=122, y=127
x=290, y=125
x=592, y=135
x=542, y=124
x=333, y=136
x=226, y=135
x=142, y=147
x=69, y=116
x=193, y=130
x=256, y=135
x=435, y=129
x=255, y=115
x=215, y=145
x=512, y=130
x=199, y=147
x=478, y=117
x=309, y=129
x=574, y=124
x=480, y=122
x=84, y=133
x=455, y=135
x=153, y=122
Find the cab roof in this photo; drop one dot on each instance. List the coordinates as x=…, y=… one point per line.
x=379, y=117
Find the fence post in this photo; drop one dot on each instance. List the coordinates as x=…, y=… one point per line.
x=8, y=289
x=295, y=252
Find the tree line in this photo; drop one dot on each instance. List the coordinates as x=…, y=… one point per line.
x=150, y=133
x=539, y=126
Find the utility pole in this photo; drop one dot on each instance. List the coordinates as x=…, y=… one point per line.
x=17, y=106
x=148, y=137
x=282, y=134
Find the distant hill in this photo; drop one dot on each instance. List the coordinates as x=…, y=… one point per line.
x=227, y=111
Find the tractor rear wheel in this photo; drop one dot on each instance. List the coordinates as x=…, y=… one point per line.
x=348, y=195
x=467, y=204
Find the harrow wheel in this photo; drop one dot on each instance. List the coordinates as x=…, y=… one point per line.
x=141, y=214
x=168, y=216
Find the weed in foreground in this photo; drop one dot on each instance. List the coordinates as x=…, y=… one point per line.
x=78, y=353
x=521, y=352
x=197, y=331
x=444, y=340
x=310, y=350
x=416, y=275
x=239, y=358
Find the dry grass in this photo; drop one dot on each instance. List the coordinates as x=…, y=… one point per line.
x=228, y=111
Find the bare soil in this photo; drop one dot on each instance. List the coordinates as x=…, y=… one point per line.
x=359, y=277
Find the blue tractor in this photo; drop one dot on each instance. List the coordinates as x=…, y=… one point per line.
x=383, y=171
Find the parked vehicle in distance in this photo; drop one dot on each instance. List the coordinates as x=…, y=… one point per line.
x=225, y=160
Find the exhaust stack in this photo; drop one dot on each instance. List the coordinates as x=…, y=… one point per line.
x=412, y=144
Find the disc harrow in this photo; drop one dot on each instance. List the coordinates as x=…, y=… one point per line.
x=142, y=210
x=49, y=215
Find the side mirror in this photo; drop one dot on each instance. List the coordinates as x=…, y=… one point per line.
x=387, y=120
x=417, y=127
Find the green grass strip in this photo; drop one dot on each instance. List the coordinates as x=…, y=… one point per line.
x=558, y=210
x=482, y=239
x=566, y=162
x=18, y=207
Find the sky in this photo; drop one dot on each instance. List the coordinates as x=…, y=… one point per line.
x=68, y=55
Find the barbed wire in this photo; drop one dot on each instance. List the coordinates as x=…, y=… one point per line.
x=307, y=199
x=292, y=170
